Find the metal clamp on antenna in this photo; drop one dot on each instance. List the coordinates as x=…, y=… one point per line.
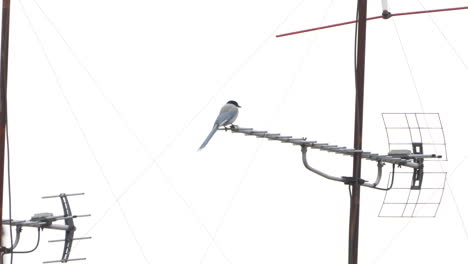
x=46, y=221
x=351, y=180
x=386, y=14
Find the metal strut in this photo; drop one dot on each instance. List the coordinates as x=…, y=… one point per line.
x=346, y=180
x=323, y=174
x=71, y=230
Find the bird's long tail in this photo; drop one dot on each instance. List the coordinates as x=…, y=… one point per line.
x=208, y=138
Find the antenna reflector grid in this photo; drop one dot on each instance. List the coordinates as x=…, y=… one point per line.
x=418, y=137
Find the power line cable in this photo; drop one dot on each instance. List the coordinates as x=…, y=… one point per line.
x=35, y=247
x=372, y=18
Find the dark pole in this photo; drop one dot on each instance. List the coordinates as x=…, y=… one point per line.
x=3, y=105
x=356, y=180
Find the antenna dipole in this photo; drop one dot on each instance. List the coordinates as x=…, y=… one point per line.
x=3, y=99
x=385, y=15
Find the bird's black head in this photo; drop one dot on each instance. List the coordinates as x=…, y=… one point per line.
x=234, y=103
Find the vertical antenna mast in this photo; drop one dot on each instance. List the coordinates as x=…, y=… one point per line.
x=358, y=122
x=3, y=98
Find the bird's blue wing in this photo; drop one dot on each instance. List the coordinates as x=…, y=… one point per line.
x=225, y=118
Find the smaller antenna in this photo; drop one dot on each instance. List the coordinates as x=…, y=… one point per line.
x=47, y=221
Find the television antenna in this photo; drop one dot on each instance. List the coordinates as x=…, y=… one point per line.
x=43, y=221
x=412, y=158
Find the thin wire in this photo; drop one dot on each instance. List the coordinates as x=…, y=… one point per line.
x=37, y=244
x=454, y=50
x=75, y=117
x=9, y=177
x=409, y=67
x=231, y=202
x=458, y=211
x=7, y=134
x=92, y=78
x=237, y=70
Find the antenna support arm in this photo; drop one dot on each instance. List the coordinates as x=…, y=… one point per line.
x=306, y=164
x=380, y=165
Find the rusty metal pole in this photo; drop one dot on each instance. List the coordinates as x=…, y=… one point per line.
x=356, y=180
x=3, y=99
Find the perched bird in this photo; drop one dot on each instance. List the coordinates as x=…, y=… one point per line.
x=227, y=116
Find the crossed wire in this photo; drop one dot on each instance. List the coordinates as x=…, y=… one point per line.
x=154, y=161
x=422, y=108
x=81, y=129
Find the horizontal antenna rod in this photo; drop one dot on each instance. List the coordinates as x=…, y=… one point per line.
x=63, y=240
x=371, y=18
x=326, y=147
x=60, y=261
x=60, y=195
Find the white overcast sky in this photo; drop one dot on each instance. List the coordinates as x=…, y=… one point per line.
x=113, y=98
